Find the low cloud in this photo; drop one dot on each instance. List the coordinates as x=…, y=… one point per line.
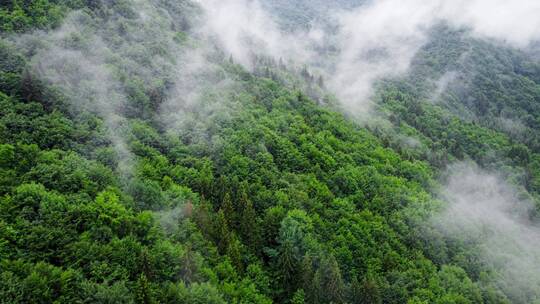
x=244, y=29
x=110, y=63
x=515, y=22
x=365, y=44
x=353, y=49
x=74, y=61
x=487, y=212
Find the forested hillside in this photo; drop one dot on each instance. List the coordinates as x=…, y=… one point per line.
x=141, y=162
x=468, y=99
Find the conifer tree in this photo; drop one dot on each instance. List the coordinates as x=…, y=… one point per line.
x=143, y=294
x=228, y=210
x=222, y=233
x=234, y=253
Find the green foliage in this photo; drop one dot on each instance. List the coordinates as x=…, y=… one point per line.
x=281, y=199
x=20, y=16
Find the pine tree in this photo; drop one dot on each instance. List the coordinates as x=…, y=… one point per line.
x=143, y=294
x=249, y=226
x=202, y=217
x=222, y=234
x=281, y=64
x=331, y=283
x=298, y=297
x=234, y=253
x=220, y=189
x=370, y=292
x=307, y=279
x=288, y=268
x=189, y=266
x=355, y=292
x=228, y=210
x=145, y=263
x=320, y=82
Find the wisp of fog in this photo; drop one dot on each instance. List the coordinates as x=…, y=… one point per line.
x=373, y=41
x=487, y=212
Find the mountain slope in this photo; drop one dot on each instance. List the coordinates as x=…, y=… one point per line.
x=140, y=164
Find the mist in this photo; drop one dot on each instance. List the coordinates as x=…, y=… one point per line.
x=244, y=29
x=77, y=66
x=485, y=211
x=105, y=63
x=372, y=41
x=352, y=47
x=167, y=63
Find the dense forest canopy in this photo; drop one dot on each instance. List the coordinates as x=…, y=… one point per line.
x=270, y=151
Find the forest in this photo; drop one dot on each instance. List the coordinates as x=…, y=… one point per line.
x=142, y=160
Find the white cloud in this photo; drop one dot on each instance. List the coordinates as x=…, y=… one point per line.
x=483, y=209
x=374, y=40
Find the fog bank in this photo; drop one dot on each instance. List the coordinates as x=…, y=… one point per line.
x=486, y=212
